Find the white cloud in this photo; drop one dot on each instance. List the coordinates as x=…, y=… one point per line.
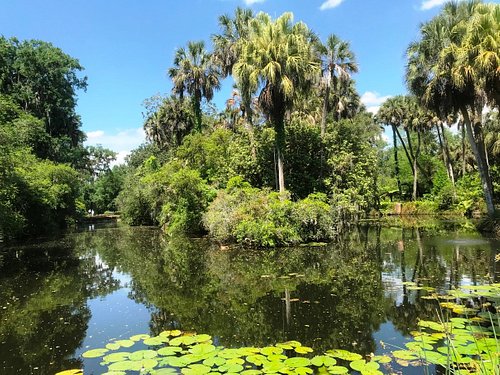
x=251, y=2
x=429, y=4
x=122, y=142
x=372, y=100
x=96, y=134
x=329, y=4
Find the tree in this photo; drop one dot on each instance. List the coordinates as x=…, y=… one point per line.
x=454, y=67
x=43, y=81
x=167, y=121
x=338, y=63
x=227, y=50
x=195, y=74
x=277, y=58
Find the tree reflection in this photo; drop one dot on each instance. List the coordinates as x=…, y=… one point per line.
x=43, y=312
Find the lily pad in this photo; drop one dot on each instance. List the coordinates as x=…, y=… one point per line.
x=303, y=349
x=196, y=369
x=337, y=370
x=297, y=362
x=323, y=360
x=143, y=354
x=95, y=353
x=139, y=337
x=125, y=343
x=71, y=372
x=169, y=350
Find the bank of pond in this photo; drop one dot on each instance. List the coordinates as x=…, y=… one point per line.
x=380, y=292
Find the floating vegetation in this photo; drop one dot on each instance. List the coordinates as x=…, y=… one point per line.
x=462, y=340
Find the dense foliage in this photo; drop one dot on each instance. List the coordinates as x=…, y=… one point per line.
x=306, y=123
x=294, y=123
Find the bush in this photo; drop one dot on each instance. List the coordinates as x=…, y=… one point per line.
x=172, y=196
x=266, y=219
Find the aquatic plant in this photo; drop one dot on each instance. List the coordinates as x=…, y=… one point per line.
x=462, y=340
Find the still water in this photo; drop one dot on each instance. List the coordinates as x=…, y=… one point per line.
x=60, y=297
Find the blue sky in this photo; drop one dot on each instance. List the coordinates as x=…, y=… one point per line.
x=127, y=46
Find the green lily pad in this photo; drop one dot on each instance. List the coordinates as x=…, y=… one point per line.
x=257, y=359
x=202, y=349
x=116, y=357
x=270, y=350
x=202, y=338
x=95, y=353
x=344, y=354
x=196, y=369
x=234, y=368
x=169, y=350
x=297, y=362
x=155, y=341
x=323, y=360
x=125, y=343
x=406, y=355
x=126, y=366
x=113, y=346
x=139, y=337
x=303, y=370
x=382, y=358
x=143, y=354
x=214, y=361
x=361, y=365
x=303, y=349
x=337, y=370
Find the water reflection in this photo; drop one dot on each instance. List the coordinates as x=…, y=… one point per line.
x=346, y=295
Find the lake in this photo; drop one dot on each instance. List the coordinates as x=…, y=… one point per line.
x=62, y=296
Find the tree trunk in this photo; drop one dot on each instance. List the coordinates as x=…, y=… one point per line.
x=408, y=156
x=280, y=147
x=325, y=111
x=415, y=169
x=478, y=151
x=463, y=150
x=396, y=160
x=447, y=157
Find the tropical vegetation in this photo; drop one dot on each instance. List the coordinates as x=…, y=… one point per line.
x=293, y=136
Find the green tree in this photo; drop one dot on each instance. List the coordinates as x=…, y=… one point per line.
x=454, y=67
x=338, y=63
x=43, y=81
x=227, y=50
x=277, y=58
x=195, y=74
x=168, y=121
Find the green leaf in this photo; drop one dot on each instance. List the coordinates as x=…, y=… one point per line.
x=95, y=353
x=143, y=354
x=298, y=362
x=337, y=370
x=303, y=349
x=323, y=360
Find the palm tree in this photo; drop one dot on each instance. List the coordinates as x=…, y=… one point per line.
x=195, y=74
x=167, y=121
x=277, y=58
x=455, y=67
x=338, y=63
x=227, y=48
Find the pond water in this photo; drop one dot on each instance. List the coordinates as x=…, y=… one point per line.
x=60, y=297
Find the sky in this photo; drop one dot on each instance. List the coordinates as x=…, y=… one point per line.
x=127, y=46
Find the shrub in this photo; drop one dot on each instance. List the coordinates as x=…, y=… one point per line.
x=261, y=218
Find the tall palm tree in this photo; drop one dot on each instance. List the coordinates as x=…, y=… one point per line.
x=227, y=47
x=338, y=63
x=278, y=59
x=195, y=74
x=455, y=67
